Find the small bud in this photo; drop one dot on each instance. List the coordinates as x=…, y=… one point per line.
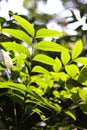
x=4, y=56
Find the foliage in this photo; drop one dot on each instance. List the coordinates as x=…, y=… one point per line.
x=46, y=87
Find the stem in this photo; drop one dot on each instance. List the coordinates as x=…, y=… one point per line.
x=15, y=114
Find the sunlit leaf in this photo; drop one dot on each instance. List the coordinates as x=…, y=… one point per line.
x=14, y=86
x=59, y=76
x=19, y=34
x=39, y=69
x=72, y=70
x=82, y=60
x=77, y=49
x=44, y=59
x=83, y=94
x=15, y=46
x=65, y=57
x=47, y=33
x=25, y=24
x=50, y=46
x=57, y=64
x=71, y=114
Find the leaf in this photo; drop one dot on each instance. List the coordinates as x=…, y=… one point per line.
x=44, y=59
x=77, y=49
x=72, y=70
x=39, y=69
x=83, y=76
x=50, y=46
x=83, y=94
x=15, y=46
x=84, y=108
x=14, y=86
x=59, y=76
x=57, y=65
x=82, y=60
x=71, y=114
x=65, y=57
x=25, y=24
x=18, y=34
x=41, y=33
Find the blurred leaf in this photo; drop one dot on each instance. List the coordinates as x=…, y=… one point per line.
x=25, y=24
x=18, y=34
x=71, y=114
x=50, y=46
x=84, y=108
x=82, y=60
x=57, y=64
x=59, y=76
x=44, y=59
x=65, y=57
x=39, y=69
x=47, y=33
x=13, y=86
x=15, y=46
x=83, y=94
x=77, y=49
x=72, y=70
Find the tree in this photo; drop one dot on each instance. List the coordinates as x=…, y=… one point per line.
x=46, y=88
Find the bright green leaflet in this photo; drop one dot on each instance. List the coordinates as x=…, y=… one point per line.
x=25, y=24
x=71, y=114
x=47, y=33
x=18, y=34
x=65, y=57
x=77, y=49
x=59, y=76
x=83, y=94
x=72, y=70
x=82, y=60
x=39, y=69
x=57, y=65
x=14, y=86
x=50, y=46
x=15, y=46
x=44, y=59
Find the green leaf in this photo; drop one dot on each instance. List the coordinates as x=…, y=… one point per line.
x=50, y=46
x=59, y=76
x=71, y=114
x=77, y=49
x=82, y=60
x=25, y=24
x=83, y=76
x=14, y=86
x=41, y=33
x=57, y=65
x=84, y=108
x=16, y=47
x=72, y=70
x=39, y=69
x=65, y=57
x=18, y=34
x=44, y=59
x=83, y=94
